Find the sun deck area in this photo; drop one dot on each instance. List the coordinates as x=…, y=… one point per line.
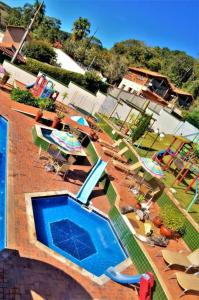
x=28, y=271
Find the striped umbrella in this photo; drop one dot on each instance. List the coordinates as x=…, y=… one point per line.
x=66, y=140
x=80, y=120
x=151, y=167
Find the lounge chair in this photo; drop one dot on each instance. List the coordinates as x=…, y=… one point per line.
x=178, y=258
x=65, y=167
x=116, y=155
x=125, y=168
x=108, y=145
x=189, y=282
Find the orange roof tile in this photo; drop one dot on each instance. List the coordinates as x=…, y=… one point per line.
x=149, y=72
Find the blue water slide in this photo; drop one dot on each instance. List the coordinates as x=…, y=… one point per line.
x=30, y=86
x=124, y=279
x=161, y=153
x=91, y=181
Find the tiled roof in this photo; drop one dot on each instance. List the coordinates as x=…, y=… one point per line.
x=9, y=50
x=156, y=74
x=149, y=72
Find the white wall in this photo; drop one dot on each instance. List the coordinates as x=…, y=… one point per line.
x=130, y=84
x=67, y=63
x=169, y=124
x=18, y=74
x=84, y=99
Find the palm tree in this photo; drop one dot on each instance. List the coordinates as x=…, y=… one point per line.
x=81, y=28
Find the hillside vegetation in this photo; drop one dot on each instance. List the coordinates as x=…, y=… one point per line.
x=182, y=69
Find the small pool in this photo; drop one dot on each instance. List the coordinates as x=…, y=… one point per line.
x=3, y=181
x=86, y=238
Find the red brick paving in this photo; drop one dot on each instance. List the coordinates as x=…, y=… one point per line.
x=44, y=274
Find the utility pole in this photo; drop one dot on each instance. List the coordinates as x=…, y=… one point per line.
x=26, y=33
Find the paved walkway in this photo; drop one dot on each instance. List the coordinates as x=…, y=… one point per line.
x=31, y=273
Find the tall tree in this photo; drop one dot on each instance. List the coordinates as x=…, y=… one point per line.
x=81, y=28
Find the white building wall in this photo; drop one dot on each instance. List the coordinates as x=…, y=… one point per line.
x=130, y=84
x=67, y=63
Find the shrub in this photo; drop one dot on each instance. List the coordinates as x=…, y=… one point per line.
x=141, y=126
x=40, y=50
x=172, y=218
x=64, y=76
x=23, y=97
x=26, y=97
x=46, y=103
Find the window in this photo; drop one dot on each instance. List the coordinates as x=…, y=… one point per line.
x=129, y=89
x=123, y=86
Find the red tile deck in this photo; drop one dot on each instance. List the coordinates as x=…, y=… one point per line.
x=32, y=273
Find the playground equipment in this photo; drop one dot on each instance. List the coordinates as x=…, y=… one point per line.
x=43, y=88
x=179, y=142
x=91, y=181
x=195, y=198
x=145, y=280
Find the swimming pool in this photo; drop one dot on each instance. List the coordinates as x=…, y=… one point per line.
x=86, y=238
x=3, y=174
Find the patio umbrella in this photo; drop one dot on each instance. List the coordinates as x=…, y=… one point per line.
x=66, y=140
x=151, y=167
x=80, y=120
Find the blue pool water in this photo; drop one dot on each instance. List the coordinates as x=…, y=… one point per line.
x=85, y=238
x=3, y=174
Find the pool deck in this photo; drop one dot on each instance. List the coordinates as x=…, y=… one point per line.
x=32, y=273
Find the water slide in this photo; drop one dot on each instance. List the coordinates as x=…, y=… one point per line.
x=162, y=153
x=124, y=279
x=146, y=281
x=30, y=86
x=91, y=181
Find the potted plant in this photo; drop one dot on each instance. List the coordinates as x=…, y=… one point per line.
x=57, y=119
x=140, y=198
x=157, y=221
x=94, y=136
x=173, y=221
x=42, y=106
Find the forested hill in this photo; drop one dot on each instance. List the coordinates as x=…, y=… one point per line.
x=182, y=69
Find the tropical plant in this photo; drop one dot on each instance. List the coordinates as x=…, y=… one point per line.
x=172, y=218
x=81, y=28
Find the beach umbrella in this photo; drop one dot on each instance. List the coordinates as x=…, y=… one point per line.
x=151, y=167
x=80, y=120
x=66, y=140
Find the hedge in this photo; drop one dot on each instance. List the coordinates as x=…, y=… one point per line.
x=64, y=76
